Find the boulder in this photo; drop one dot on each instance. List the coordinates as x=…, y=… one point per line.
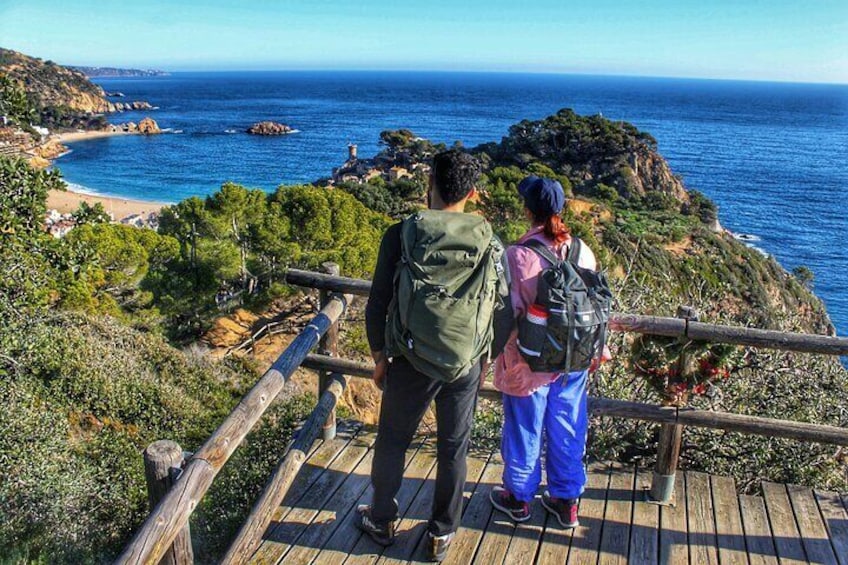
x=148, y=126
x=269, y=128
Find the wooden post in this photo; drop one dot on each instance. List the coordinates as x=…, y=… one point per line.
x=329, y=345
x=158, y=532
x=671, y=435
x=163, y=461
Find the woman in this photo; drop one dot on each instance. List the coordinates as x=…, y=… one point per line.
x=539, y=408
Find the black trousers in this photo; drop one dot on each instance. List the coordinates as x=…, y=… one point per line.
x=406, y=396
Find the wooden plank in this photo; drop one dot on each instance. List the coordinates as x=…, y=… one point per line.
x=250, y=535
x=615, y=538
x=306, y=547
x=322, y=455
x=728, y=522
x=499, y=528
x=348, y=539
x=674, y=548
x=758, y=538
x=525, y=536
x=586, y=538
x=644, y=533
x=476, y=463
x=811, y=526
x=279, y=538
x=787, y=539
x=365, y=550
x=478, y=510
x=699, y=504
x=836, y=521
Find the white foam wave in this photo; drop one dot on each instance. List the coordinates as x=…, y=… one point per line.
x=230, y=131
x=745, y=237
x=80, y=189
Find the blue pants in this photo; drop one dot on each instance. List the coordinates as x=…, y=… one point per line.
x=557, y=413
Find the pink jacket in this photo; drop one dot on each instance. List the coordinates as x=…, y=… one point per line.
x=512, y=374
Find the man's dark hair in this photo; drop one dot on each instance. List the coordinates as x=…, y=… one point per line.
x=455, y=173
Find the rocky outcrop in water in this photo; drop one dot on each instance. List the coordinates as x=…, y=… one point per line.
x=269, y=128
x=148, y=126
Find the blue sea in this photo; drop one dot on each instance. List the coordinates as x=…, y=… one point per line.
x=773, y=156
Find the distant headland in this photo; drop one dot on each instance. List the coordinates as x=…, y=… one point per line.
x=103, y=72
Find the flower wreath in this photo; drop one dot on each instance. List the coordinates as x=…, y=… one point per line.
x=677, y=369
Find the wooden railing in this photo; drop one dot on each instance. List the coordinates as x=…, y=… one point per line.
x=175, y=493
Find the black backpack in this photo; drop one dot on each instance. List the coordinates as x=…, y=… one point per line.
x=566, y=328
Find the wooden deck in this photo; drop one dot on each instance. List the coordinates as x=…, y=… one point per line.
x=709, y=523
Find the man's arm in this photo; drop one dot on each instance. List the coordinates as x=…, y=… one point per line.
x=382, y=291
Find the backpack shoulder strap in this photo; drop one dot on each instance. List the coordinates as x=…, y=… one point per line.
x=574, y=250
x=542, y=251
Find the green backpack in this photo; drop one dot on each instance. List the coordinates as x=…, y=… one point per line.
x=447, y=285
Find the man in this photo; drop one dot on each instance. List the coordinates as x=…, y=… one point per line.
x=421, y=328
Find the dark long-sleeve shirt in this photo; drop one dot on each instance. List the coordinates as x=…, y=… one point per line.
x=382, y=288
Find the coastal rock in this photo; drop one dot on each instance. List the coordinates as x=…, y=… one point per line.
x=269, y=128
x=148, y=126
x=50, y=149
x=128, y=106
x=38, y=162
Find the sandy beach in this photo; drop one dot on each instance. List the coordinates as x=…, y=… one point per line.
x=72, y=136
x=68, y=201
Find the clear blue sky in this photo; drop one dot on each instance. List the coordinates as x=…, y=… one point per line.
x=803, y=40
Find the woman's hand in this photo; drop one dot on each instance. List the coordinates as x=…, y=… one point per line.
x=484, y=370
x=606, y=355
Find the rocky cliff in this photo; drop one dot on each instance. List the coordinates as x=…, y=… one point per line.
x=592, y=152
x=54, y=89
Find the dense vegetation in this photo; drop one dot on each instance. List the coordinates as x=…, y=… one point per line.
x=88, y=379
x=91, y=374
x=237, y=235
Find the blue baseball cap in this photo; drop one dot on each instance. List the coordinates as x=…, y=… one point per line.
x=544, y=197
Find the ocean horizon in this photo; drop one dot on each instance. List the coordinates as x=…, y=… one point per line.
x=770, y=154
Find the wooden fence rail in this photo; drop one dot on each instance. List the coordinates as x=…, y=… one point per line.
x=653, y=325
x=170, y=516
x=646, y=412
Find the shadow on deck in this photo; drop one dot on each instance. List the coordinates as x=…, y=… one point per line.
x=708, y=522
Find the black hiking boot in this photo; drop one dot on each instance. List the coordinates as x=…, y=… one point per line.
x=438, y=546
x=563, y=509
x=382, y=533
x=504, y=501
